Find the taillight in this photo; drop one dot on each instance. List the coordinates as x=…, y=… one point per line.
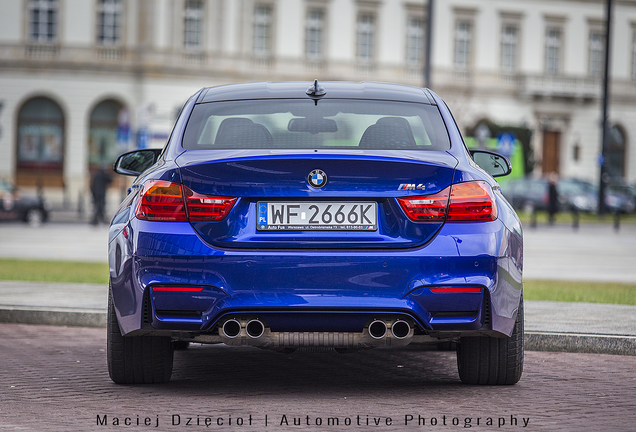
x=206, y=208
x=472, y=202
x=161, y=201
x=164, y=201
x=429, y=208
x=462, y=202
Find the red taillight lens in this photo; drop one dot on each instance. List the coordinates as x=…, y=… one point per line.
x=472, y=202
x=177, y=289
x=455, y=290
x=468, y=202
x=206, y=208
x=164, y=201
x=429, y=208
x=161, y=201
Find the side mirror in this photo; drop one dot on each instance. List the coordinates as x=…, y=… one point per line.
x=494, y=164
x=135, y=162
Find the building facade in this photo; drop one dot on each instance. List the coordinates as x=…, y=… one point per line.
x=82, y=81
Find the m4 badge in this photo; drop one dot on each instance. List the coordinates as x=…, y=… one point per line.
x=412, y=186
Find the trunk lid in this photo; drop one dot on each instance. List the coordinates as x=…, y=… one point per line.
x=362, y=186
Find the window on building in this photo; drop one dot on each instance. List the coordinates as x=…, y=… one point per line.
x=365, y=37
x=314, y=36
x=553, y=51
x=509, y=44
x=43, y=20
x=109, y=21
x=40, y=135
x=262, y=30
x=104, y=137
x=463, y=36
x=597, y=49
x=193, y=24
x=615, y=152
x=414, y=41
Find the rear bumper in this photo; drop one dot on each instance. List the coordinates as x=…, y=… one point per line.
x=315, y=291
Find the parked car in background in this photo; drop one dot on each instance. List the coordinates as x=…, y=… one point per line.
x=618, y=198
x=531, y=194
x=14, y=205
x=621, y=197
x=578, y=195
x=338, y=217
x=528, y=194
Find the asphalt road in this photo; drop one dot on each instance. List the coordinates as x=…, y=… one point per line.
x=56, y=379
x=594, y=252
x=54, y=241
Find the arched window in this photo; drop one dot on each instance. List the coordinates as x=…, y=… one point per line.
x=615, y=152
x=40, y=155
x=102, y=136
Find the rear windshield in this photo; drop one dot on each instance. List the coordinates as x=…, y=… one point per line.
x=299, y=124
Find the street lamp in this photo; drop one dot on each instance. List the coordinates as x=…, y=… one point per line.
x=429, y=44
x=603, y=179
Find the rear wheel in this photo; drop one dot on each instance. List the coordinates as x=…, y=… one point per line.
x=136, y=359
x=492, y=361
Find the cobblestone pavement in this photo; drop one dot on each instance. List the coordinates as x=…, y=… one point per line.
x=56, y=379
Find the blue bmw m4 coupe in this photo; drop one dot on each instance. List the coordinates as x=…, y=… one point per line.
x=339, y=216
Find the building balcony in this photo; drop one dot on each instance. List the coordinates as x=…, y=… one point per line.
x=205, y=63
x=560, y=86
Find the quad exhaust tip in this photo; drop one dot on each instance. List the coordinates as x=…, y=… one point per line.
x=400, y=329
x=232, y=328
x=255, y=328
x=377, y=329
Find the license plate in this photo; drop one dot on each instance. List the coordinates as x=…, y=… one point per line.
x=317, y=216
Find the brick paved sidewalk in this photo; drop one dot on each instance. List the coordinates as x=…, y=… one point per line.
x=55, y=379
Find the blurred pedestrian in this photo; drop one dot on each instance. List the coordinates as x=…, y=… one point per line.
x=553, y=197
x=99, y=185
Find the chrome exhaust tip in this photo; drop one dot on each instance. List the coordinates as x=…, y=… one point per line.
x=400, y=329
x=255, y=329
x=231, y=328
x=377, y=329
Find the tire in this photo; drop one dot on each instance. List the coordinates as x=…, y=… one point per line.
x=487, y=360
x=136, y=359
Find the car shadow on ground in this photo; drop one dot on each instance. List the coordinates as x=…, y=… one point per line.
x=256, y=370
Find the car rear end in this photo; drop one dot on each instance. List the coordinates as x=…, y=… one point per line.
x=285, y=221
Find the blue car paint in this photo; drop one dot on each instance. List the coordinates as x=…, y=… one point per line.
x=376, y=281
x=284, y=282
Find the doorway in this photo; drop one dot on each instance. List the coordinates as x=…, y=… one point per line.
x=551, y=151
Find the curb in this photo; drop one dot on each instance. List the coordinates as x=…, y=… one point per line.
x=580, y=343
x=53, y=316
x=534, y=340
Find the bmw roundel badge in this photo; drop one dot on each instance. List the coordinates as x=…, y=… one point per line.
x=317, y=178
